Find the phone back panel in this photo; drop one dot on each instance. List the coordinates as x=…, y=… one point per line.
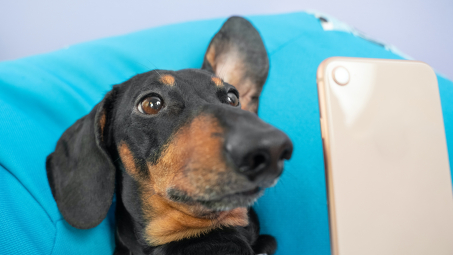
x=388, y=175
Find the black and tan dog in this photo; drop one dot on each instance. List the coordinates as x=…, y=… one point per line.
x=185, y=161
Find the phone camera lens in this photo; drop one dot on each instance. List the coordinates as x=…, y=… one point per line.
x=341, y=75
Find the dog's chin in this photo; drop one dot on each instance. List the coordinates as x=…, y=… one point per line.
x=219, y=203
x=231, y=201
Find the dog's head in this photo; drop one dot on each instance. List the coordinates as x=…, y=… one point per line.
x=177, y=143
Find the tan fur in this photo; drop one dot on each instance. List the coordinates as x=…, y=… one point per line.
x=170, y=224
x=196, y=148
x=232, y=70
x=128, y=159
x=247, y=90
x=217, y=81
x=210, y=56
x=167, y=80
x=102, y=121
x=232, y=67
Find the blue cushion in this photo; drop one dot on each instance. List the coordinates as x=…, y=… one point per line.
x=41, y=96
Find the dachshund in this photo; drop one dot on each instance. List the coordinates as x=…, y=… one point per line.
x=183, y=151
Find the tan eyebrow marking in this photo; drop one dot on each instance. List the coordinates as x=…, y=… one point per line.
x=217, y=81
x=167, y=80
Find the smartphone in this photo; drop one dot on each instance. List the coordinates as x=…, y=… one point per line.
x=387, y=171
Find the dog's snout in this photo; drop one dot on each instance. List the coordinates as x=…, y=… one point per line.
x=258, y=152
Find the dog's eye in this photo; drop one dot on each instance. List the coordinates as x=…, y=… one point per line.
x=232, y=99
x=150, y=105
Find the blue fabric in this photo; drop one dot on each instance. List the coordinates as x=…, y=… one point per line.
x=41, y=96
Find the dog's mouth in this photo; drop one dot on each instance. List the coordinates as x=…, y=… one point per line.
x=222, y=203
x=231, y=201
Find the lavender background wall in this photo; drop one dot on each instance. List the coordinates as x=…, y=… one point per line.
x=423, y=29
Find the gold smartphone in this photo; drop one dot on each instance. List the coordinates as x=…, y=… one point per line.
x=388, y=176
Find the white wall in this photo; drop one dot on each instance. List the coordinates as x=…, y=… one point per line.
x=422, y=29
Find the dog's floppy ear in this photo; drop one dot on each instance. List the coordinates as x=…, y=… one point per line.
x=80, y=172
x=237, y=55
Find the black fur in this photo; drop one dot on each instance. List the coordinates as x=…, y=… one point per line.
x=85, y=167
x=82, y=175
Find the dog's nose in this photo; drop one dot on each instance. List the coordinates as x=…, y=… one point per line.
x=258, y=152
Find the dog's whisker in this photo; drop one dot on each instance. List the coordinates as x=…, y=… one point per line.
x=292, y=174
x=137, y=62
x=257, y=202
x=158, y=73
x=147, y=67
x=151, y=63
x=154, y=67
